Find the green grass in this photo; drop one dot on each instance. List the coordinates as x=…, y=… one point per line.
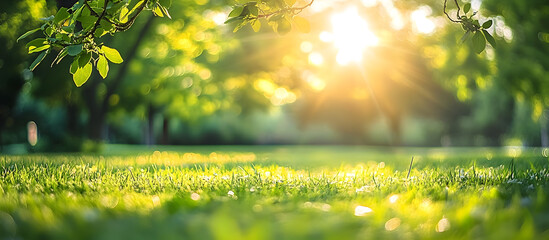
x=276, y=192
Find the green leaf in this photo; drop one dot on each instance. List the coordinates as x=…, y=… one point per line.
x=49, y=31
x=85, y=12
x=102, y=66
x=479, y=43
x=61, y=15
x=487, y=24
x=283, y=26
x=78, y=5
x=476, y=23
x=253, y=10
x=38, y=60
x=39, y=49
x=84, y=59
x=77, y=13
x=82, y=75
x=112, y=54
x=236, y=12
x=240, y=25
x=233, y=19
x=302, y=24
x=157, y=11
x=27, y=34
x=106, y=25
x=99, y=32
x=114, y=7
x=136, y=6
x=74, y=66
x=256, y=25
x=465, y=36
x=38, y=43
x=69, y=28
x=123, y=17
x=466, y=8
x=165, y=11
x=87, y=21
x=74, y=50
x=489, y=38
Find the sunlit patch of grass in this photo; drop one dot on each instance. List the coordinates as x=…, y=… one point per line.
x=241, y=194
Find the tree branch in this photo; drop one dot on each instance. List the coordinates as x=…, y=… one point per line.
x=446, y=13
x=129, y=23
x=98, y=20
x=457, y=13
x=295, y=10
x=118, y=26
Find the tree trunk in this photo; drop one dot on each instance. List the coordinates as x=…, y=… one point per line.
x=98, y=108
x=165, y=130
x=96, y=116
x=395, y=128
x=543, y=128
x=96, y=125
x=1, y=139
x=150, y=126
x=72, y=119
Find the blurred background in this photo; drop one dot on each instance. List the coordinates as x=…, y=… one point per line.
x=372, y=72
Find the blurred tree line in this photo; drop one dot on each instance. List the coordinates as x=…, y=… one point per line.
x=190, y=80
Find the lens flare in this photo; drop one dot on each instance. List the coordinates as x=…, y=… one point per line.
x=422, y=23
x=351, y=36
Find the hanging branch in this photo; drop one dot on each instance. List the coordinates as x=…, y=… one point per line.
x=457, y=13
x=294, y=10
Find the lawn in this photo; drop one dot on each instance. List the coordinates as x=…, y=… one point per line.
x=276, y=192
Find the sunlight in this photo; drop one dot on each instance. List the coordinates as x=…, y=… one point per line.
x=306, y=47
x=326, y=36
x=422, y=24
x=393, y=198
x=316, y=59
x=362, y=211
x=351, y=36
x=315, y=83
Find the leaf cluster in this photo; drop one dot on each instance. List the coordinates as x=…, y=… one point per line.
x=77, y=31
x=472, y=27
x=281, y=15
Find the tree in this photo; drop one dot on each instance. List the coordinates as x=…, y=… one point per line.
x=77, y=30
x=523, y=66
x=14, y=16
x=80, y=30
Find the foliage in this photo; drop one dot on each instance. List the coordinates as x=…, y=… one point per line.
x=177, y=77
x=280, y=15
x=77, y=33
x=523, y=66
x=276, y=193
x=472, y=27
x=15, y=16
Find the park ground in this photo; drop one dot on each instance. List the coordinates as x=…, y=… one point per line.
x=276, y=192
